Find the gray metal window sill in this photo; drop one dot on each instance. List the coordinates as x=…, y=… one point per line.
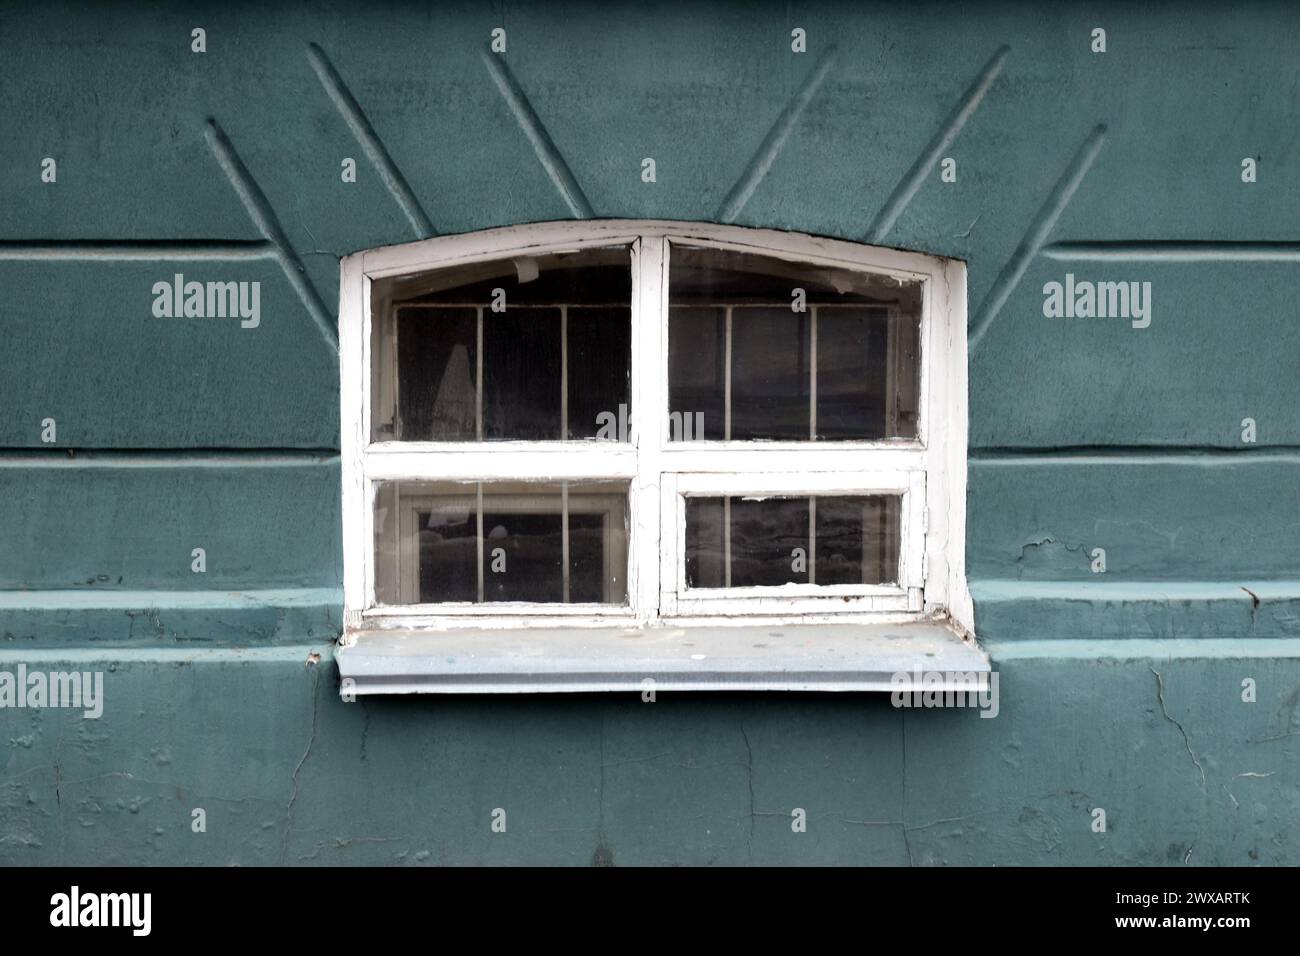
x=801, y=657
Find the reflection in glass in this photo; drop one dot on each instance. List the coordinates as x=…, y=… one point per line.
x=738, y=542
x=534, y=348
x=763, y=348
x=479, y=542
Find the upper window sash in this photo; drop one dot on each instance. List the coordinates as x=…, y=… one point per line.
x=653, y=298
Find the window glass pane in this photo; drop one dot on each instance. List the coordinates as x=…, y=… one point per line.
x=770, y=384
x=600, y=355
x=765, y=542
x=480, y=542
x=532, y=348
x=448, y=550
x=788, y=351
x=857, y=539
x=769, y=542
x=697, y=343
x=521, y=374
x=852, y=346
x=445, y=339
x=706, y=543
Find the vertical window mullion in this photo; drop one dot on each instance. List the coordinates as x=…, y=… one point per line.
x=868, y=508
x=812, y=436
x=726, y=389
x=893, y=352
x=478, y=532
x=812, y=378
x=564, y=536
x=812, y=539
x=564, y=374
x=478, y=380
x=726, y=535
x=566, y=570
x=650, y=421
x=886, y=524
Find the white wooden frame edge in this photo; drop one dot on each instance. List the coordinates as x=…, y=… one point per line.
x=940, y=450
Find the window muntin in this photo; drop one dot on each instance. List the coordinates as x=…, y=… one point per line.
x=924, y=472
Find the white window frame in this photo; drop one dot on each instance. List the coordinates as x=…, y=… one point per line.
x=676, y=600
x=930, y=471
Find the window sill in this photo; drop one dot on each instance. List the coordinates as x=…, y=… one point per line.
x=801, y=657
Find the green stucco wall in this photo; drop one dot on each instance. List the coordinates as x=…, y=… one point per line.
x=1120, y=691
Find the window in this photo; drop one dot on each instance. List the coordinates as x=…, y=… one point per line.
x=631, y=424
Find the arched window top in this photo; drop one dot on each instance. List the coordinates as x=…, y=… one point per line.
x=575, y=234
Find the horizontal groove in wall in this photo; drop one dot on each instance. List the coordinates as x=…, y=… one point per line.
x=161, y=457
x=1163, y=250
x=1041, y=611
x=296, y=654
x=156, y=618
x=1135, y=454
x=1144, y=650
x=93, y=599
x=128, y=250
x=167, y=458
x=1012, y=589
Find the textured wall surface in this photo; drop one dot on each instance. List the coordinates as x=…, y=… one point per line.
x=1120, y=690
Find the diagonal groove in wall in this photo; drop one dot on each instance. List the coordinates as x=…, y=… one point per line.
x=943, y=138
x=1036, y=236
x=369, y=140
x=775, y=140
x=543, y=145
x=260, y=211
